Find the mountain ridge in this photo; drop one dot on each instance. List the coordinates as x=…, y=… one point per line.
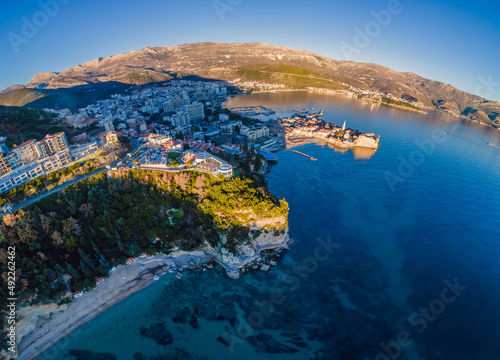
x=238, y=61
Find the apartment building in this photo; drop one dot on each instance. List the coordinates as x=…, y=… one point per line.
x=13, y=160
x=195, y=111
x=168, y=106
x=52, y=144
x=181, y=119
x=77, y=152
x=56, y=161
x=112, y=138
x=230, y=126
x=20, y=176
x=4, y=166
x=108, y=126
x=255, y=132
x=26, y=152
x=34, y=169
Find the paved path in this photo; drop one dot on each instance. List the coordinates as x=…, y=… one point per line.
x=69, y=183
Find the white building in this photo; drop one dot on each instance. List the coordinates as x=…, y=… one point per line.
x=20, y=176
x=13, y=160
x=195, y=111
x=231, y=125
x=254, y=133
x=223, y=117
x=56, y=161
x=26, y=152
x=147, y=108
x=168, y=106
x=78, y=152
x=181, y=119
x=108, y=126
x=158, y=139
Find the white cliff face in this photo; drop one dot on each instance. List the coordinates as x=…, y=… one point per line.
x=270, y=239
x=247, y=253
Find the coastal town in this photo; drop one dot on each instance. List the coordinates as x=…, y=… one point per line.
x=305, y=125
x=246, y=180
x=181, y=125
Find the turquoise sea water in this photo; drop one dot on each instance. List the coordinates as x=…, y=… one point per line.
x=396, y=255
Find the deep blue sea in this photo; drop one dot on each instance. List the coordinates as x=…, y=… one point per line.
x=396, y=256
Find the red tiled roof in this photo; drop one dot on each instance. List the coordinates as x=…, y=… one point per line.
x=26, y=143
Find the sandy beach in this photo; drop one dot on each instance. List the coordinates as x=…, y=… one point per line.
x=122, y=282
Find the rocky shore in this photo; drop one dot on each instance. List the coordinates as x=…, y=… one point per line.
x=125, y=280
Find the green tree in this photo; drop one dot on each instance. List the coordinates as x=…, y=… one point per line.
x=73, y=272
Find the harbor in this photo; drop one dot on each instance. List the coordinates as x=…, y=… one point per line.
x=253, y=111
x=307, y=114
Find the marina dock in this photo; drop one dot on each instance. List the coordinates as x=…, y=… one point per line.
x=310, y=157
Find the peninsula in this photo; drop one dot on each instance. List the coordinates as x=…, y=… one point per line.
x=303, y=127
x=104, y=238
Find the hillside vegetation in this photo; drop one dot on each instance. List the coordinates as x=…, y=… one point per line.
x=18, y=124
x=20, y=97
x=289, y=75
x=78, y=234
x=65, y=98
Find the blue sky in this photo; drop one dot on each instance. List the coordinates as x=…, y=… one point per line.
x=455, y=42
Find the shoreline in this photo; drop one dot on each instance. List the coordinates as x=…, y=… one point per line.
x=455, y=117
x=348, y=93
x=351, y=94
x=419, y=110
x=122, y=282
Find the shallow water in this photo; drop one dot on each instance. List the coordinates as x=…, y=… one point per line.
x=378, y=239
